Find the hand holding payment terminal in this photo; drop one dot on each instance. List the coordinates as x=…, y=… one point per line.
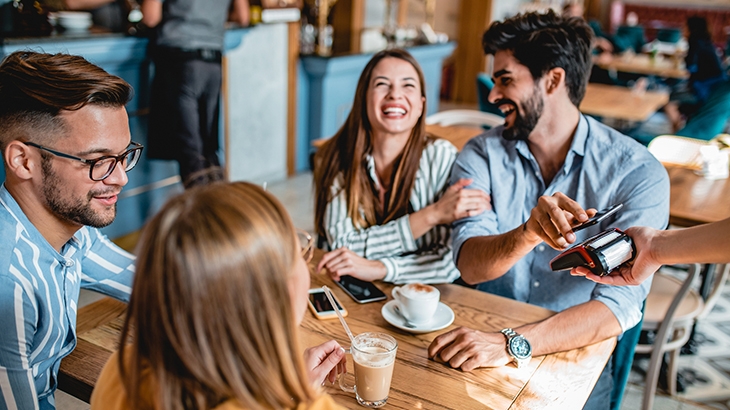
x=601, y=253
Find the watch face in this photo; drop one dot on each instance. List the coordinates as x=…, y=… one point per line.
x=520, y=347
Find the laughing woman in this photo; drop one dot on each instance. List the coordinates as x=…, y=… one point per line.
x=381, y=197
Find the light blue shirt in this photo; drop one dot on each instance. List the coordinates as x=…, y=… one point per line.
x=39, y=289
x=602, y=168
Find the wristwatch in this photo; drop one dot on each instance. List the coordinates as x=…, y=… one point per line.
x=518, y=347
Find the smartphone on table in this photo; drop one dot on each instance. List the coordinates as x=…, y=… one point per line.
x=598, y=217
x=359, y=290
x=321, y=306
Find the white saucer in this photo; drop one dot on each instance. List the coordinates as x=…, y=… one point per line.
x=443, y=317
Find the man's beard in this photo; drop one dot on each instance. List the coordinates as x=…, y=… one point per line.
x=524, y=123
x=71, y=209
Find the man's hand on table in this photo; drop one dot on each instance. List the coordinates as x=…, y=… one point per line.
x=553, y=218
x=469, y=349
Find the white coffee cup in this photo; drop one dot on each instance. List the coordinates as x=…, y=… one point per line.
x=417, y=302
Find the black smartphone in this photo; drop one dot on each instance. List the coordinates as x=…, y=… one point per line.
x=359, y=290
x=599, y=217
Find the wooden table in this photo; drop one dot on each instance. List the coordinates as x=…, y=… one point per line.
x=556, y=381
x=643, y=64
x=611, y=101
x=695, y=200
x=458, y=135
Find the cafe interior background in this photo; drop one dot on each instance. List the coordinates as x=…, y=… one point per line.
x=289, y=81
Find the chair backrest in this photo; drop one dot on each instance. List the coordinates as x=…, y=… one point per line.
x=465, y=117
x=671, y=314
x=632, y=36
x=669, y=35
x=484, y=87
x=720, y=277
x=675, y=150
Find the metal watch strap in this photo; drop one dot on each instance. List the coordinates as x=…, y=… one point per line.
x=510, y=334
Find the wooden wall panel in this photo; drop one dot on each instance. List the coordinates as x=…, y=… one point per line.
x=347, y=18
x=469, y=58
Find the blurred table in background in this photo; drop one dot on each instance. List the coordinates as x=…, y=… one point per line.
x=621, y=103
x=643, y=64
x=696, y=200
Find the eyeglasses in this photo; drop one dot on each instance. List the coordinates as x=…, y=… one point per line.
x=102, y=167
x=307, y=244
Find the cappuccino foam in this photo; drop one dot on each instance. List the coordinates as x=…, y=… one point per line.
x=419, y=291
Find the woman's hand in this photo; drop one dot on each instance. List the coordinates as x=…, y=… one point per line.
x=343, y=261
x=459, y=202
x=325, y=362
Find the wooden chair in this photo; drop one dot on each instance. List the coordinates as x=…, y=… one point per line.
x=672, y=308
x=465, y=117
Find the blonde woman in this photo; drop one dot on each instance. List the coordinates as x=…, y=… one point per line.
x=220, y=289
x=382, y=200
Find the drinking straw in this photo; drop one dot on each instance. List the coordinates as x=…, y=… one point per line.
x=328, y=292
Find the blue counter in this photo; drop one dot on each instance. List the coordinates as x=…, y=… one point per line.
x=326, y=87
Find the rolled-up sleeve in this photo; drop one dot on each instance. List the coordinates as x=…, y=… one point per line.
x=645, y=195
x=472, y=162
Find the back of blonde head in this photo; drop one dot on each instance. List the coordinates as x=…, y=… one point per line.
x=210, y=314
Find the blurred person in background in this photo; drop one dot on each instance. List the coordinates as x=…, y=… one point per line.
x=185, y=103
x=705, y=73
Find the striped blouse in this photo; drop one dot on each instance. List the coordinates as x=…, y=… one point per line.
x=39, y=288
x=427, y=259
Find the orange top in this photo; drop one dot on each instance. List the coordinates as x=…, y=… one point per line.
x=109, y=392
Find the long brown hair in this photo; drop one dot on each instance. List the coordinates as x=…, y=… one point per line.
x=345, y=155
x=210, y=316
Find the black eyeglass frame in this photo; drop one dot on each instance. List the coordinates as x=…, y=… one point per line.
x=92, y=162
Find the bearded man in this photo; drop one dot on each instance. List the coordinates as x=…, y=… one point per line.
x=66, y=148
x=547, y=169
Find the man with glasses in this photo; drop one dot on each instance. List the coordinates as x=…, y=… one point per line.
x=66, y=147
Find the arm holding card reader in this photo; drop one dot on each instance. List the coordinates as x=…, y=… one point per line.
x=600, y=254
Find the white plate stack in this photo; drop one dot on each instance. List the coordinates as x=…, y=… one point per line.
x=74, y=20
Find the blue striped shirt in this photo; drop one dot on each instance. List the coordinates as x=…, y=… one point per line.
x=39, y=289
x=427, y=259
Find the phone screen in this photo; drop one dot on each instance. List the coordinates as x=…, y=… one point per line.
x=360, y=290
x=321, y=303
x=598, y=217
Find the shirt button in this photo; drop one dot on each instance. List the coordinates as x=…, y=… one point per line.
x=536, y=284
x=541, y=248
x=69, y=263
